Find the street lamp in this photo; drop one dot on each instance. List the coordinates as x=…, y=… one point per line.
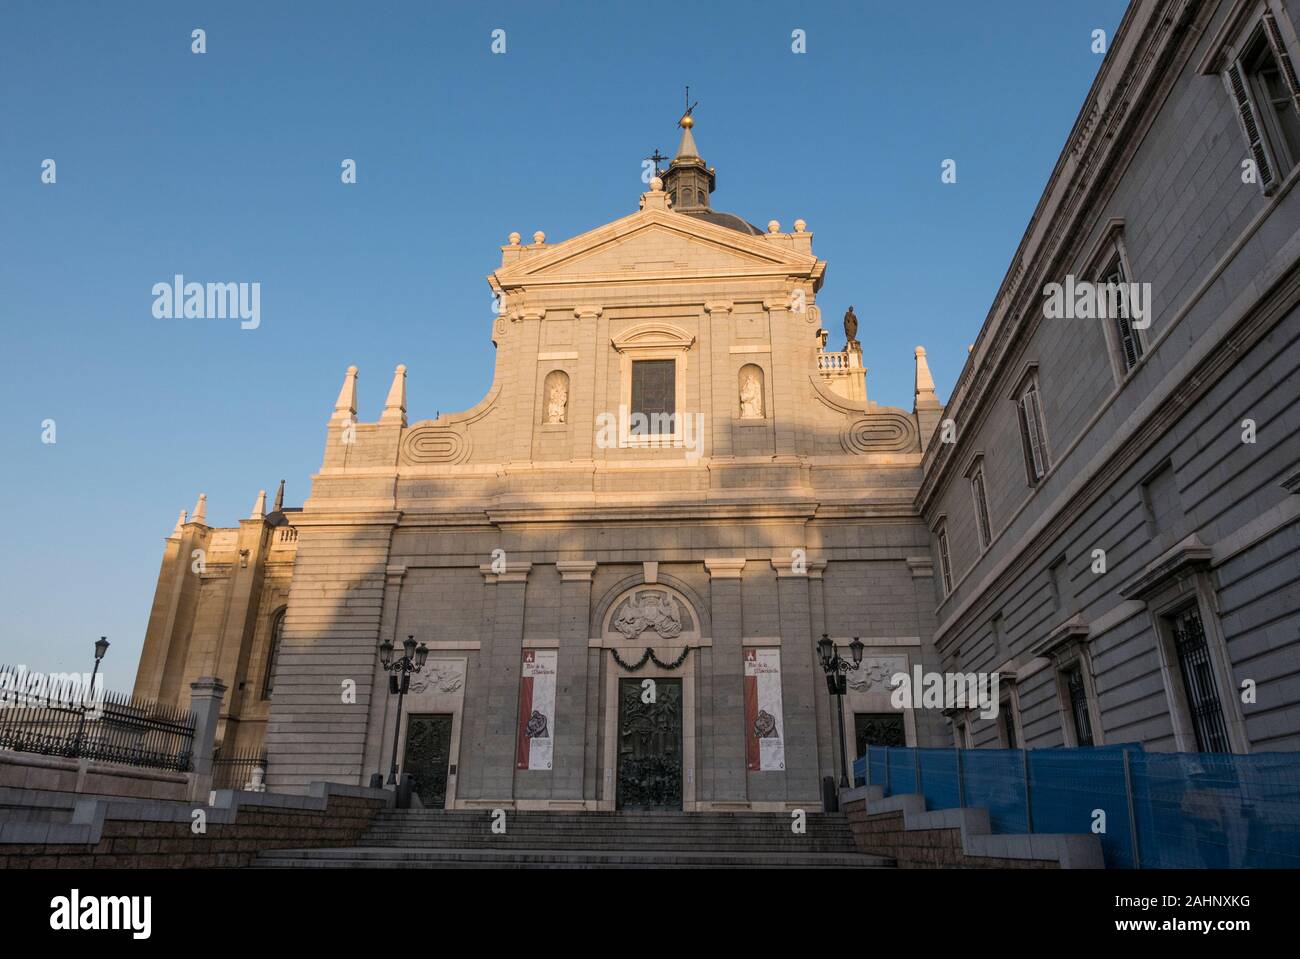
x=399, y=681
x=101, y=647
x=836, y=669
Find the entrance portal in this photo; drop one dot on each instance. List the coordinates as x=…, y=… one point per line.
x=650, y=745
x=428, y=751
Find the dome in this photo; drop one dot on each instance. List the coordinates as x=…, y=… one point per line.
x=729, y=220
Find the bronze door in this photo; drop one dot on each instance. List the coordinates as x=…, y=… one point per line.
x=650, y=746
x=877, y=729
x=428, y=752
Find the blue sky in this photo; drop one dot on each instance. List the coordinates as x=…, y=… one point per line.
x=225, y=167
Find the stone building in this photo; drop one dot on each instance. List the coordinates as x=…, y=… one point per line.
x=1116, y=526
x=670, y=479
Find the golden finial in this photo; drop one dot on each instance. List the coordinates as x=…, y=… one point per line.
x=686, y=122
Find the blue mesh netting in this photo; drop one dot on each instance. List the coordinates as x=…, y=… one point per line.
x=1191, y=810
x=995, y=780
x=1072, y=788
x=1217, y=811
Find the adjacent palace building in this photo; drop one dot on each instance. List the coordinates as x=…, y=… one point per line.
x=617, y=565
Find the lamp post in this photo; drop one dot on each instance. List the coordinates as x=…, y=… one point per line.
x=836, y=669
x=101, y=647
x=399, y=681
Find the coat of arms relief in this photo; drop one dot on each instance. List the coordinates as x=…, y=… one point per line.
x=649, y=611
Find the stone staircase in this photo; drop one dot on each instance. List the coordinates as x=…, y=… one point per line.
x=422, y=838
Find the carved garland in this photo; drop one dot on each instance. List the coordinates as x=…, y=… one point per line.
x=649, y=656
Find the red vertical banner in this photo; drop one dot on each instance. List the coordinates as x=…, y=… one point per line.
x=525, y=710
x=751, y=713
x=764, y=724
x=534, y=743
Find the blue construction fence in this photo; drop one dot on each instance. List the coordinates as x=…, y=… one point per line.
x=1159, y=810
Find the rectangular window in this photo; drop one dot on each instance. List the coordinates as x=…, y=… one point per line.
x=1264, y=88
x=1009, y=726
x=1127, y=340
x=981, y=507
x=945, y=565
x=1162, y=504
x=654, y=396
x=1032, y=431
x=1077, y=694
x=1062, y=593
x=1197, y=671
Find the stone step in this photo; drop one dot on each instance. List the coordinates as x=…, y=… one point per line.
x=561, y=842
x=412, y=858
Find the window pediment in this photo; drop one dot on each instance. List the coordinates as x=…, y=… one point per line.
x=653, y=336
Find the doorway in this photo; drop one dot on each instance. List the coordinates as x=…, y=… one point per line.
x=427, y=755
x=649, y=745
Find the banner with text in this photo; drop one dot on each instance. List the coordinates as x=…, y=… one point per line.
x=536, y=709
x=764, y=727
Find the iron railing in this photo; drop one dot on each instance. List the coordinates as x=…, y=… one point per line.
x=234, y=769
x=65, y=719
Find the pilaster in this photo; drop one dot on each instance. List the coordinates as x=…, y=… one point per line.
x=728, y=680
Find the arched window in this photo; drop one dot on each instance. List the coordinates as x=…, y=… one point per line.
x=273, y=652
x=701, y=199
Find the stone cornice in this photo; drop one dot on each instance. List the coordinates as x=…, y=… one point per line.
x=724, y=568
x=576, y=570
x=1186, y=557
x=1068, y=633
x=922, y=567
x=786, y=567
x=321, y=517
x=513, y=573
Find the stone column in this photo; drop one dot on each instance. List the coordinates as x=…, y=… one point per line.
x=571, y=734
x=728, y=680
x=379, y=730
x=205, y=702
x=826, y=732
x=721, y=382
x=520, y=392
x=582, y=388
x=785, y=412
x=800, y=674
x=497, y=760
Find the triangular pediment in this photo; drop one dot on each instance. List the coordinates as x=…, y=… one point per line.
x=657, y=244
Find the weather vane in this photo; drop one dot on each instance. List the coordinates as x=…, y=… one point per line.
x=690, y=107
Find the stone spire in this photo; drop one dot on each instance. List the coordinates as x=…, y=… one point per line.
x=259, y=508
x=345, y=408
x=924, y=381
x=279, y=498
x=926, y=406
x=200, y=514
x=180, y=524
x=688, y=181
x=395, y=406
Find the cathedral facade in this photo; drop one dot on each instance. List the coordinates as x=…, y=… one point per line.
x=618, y=563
